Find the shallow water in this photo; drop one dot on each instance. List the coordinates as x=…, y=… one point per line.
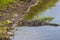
x=43, y=32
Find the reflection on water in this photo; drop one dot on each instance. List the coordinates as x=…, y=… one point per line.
x=44, y=32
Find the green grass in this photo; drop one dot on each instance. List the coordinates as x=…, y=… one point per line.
x=3, y=29
x=42, y=6
x=4, y=3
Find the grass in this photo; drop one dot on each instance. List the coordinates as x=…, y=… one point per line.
x=3, y=31
x=42, y=6
x=4, y=3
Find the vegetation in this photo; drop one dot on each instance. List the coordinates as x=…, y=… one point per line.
x=44, y=18
x=6, y=22
x=39, y=8
x=4, y=3
x=3, y=32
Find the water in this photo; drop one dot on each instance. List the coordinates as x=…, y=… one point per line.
x=43, y=32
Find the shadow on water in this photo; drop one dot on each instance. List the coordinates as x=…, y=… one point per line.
x=44, y=32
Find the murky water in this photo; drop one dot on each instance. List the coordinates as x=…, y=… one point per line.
x=43, y=32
